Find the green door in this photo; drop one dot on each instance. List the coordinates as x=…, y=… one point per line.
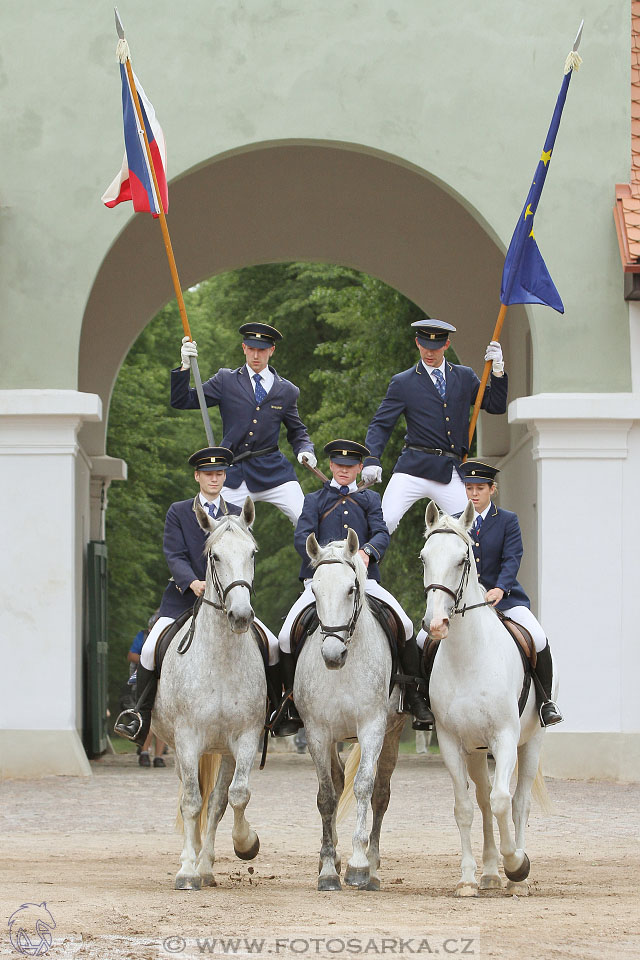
x=96, y=649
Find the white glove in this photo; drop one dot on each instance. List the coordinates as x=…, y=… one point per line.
x=494, y=352
x=189, y=349
x=307, y=456
x=372, y=474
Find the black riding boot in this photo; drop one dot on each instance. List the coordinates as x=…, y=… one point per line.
x=283, y=676
x=415, y=700
x=135, y=724
x=549, y=713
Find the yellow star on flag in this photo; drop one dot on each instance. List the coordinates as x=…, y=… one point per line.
x=532, y=235
x=528, y=212
x=546, y=156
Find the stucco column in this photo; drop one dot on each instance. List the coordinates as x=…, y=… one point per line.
x=44, y=519
x=586, y=449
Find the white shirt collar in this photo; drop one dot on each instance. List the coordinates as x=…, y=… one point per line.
x=484, y=512
x=441, y=368
x=205, y=503
x=266, y=375
x=353, y=487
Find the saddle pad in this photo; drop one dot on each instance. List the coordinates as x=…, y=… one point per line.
x=522, y=637
x=263, y=644
x=165, y=638
x=303, y=626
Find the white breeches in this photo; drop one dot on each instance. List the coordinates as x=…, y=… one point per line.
x=287, y=497
x=521, y=615
x=306, y=598
x=148, y=650
x=403, y=491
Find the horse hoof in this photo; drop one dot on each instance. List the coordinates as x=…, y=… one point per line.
x=188, y=883
x=517, y=889
x=357, y=877
x=251, y=853
x=521, y=873
x=329, y=883
x=374, y=884
x=466, y=890
x=490, y=882
x=208, y=880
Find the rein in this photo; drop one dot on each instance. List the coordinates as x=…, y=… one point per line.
x=357, y=607
x=464, y=579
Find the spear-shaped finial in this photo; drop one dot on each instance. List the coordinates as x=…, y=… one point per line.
x=574, y=59
x=122, y=50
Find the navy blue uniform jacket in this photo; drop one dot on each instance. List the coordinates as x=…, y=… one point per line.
x=365, y=518
x=498, y=552
x=247, y=425
x=183, y=545
x=431, y=421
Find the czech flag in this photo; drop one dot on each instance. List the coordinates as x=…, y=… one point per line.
x=134, y=181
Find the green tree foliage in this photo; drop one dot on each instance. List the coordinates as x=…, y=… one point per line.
x=345, y=335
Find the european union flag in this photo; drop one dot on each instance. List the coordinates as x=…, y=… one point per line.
x=525, y=278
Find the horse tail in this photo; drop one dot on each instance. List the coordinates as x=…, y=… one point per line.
x=208, y=770
x=347, y=799
x=540, y=793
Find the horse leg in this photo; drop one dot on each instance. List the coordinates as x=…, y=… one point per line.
x=328, y=878
x=528, y=757
x=215, y=810
x=463, y=811
x=245, y=840
x=380, y=799
x=337, y=776
x=516, y=862
x=371, y=738
x=187, y=877
x=479, y=773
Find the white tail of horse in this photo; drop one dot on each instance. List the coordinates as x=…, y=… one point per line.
x=347, y=799
x=540, y=793
x=208, y=770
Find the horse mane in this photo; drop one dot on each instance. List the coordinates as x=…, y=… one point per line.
x=335, y=551
x=446, y=522
x=222, y=525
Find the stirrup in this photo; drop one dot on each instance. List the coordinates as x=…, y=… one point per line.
x=555, y=715
x=121, y=728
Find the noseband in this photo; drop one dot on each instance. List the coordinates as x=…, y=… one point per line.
x=223, y=591
x=357, y=606
x=464, y=579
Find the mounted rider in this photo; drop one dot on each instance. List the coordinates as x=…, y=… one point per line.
x=434, y=397
x=329, y=513
x=254, y=402
x=184, y=544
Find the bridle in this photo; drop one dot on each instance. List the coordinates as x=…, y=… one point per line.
x=223, y=591
x=464, y=579
x=357, y=606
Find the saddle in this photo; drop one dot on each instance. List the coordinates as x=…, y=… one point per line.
x=523, y=641
x=172, y=629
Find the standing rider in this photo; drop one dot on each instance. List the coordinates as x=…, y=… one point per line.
x=254, y=401
x=328, y=513
x=497, y=548
x=434, y=397
x=184, y=543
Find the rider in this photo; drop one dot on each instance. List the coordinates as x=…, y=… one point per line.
x=184, y=541
x=434, y=396
x=254, y=401
x=497, y=548
x=328, y=513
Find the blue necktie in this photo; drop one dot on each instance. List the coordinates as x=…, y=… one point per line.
x=213, y=510
x=438, y=380
x=344, y=491
x=477, y=525
x=261, y=393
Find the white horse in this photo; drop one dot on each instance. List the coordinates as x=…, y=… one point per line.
x=342, y=691
x=476, y=681
x=211, y=699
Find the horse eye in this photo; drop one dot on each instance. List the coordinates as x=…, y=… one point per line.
x=351, y=591
x=215, y=557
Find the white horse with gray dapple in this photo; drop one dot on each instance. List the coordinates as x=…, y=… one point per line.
x=210, y=704
x=475, y=684
x=341, y=691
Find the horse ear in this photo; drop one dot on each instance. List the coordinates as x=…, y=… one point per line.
x=432, y=515
x=467, y=517
x=313, y=548
x=352, y=542
x=249, y=512
x=203, y=517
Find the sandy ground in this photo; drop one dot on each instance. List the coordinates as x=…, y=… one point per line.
x=102, y=853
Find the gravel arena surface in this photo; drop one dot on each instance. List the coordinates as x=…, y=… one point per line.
x=102, y=852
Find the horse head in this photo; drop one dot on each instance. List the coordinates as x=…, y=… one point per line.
x=338, y=586
x=447, y=565
x=230, y=549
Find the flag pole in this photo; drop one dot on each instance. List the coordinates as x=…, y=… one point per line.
x=572, y=62
x=124, y=57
